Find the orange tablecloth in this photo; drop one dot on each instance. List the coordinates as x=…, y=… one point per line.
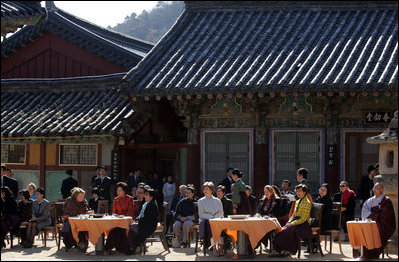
x=255, y=228
x=364, y=233
x=97, y=226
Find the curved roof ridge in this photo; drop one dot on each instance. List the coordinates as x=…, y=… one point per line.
x=104, y=30
x=112, y=46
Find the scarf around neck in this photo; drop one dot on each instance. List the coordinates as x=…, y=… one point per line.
x=346, y=195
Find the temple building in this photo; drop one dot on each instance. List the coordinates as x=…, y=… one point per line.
x=269, y=87
x=60, y=106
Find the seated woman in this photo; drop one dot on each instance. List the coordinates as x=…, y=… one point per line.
x=287, y=240
x=24, y=211
x=250, y=201
x=75, y=206
x=9, y=213
x=227, y=203
x=269, y=205
x=347, y=198
x=32, y=189
x=325, y=198
x=147, y=222
x=122, y=205
x=40, y=217
x=185, y=214
x=208, y=207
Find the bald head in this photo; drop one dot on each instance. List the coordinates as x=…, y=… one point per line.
x=378, y=189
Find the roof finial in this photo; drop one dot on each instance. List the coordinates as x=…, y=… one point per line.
x=50, y=6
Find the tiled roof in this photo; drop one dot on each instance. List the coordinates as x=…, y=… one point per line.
x=115, y=47
x=15, y=14
x=273, y=46
x=64, y=107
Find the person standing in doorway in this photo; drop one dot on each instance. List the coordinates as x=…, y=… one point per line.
x=67, y=184
x=365, y=189
x=169, y=190
x=227, y=181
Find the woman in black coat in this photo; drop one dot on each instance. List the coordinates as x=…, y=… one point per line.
x=347, y=198
x=147, y=222
x=9, y=213
x=325, y=198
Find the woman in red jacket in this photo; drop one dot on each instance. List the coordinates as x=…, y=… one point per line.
x=123, y=205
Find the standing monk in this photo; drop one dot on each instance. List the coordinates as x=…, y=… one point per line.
x=380, y=209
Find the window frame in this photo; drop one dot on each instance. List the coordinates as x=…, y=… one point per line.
x=250, y=132
x=76, y=144
x=322, y=150
x=20, y=164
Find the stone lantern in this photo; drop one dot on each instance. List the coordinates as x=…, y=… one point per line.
x=388, y=160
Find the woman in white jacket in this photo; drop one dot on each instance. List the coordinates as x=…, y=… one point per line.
x=169, y=191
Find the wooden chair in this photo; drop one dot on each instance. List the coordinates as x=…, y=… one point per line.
x=336, y=212
x=19, y=231
x=59, y=207
x=315, y=214
x=103, y=207
x=52, y=228
x=195, y=228
x=160, y=231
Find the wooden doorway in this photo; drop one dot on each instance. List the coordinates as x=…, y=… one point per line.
x=359, y=155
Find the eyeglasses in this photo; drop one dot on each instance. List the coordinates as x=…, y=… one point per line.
x=342, y=186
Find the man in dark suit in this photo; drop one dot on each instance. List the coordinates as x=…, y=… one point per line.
x=8, y=181
x=95, y=176
x=227, y=181
x=103, y=183
x=67, y=184
x=134, y=179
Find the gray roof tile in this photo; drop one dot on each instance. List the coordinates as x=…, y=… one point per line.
x=64, y=107
x=239, y=47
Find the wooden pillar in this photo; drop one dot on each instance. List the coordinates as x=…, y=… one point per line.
x=42, y=166
x=194, y=166
x=332, y=172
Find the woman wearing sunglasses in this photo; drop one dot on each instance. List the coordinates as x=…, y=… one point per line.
x=347, y=198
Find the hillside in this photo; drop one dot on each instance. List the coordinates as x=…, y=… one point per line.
x=152, y=25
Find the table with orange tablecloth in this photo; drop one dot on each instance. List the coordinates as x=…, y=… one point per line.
x=364, y=233
x=255, y=228
x=97, y=226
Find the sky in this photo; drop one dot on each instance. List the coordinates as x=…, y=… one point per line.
x=104, y=13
